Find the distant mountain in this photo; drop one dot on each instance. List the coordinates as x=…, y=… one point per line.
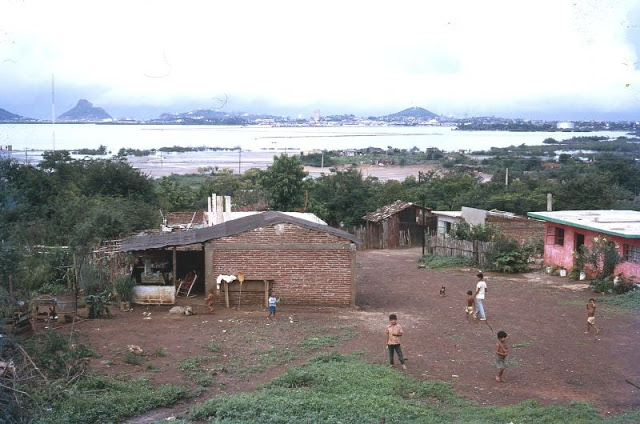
x=5, y=115
x=412, y=112
x=84, y=111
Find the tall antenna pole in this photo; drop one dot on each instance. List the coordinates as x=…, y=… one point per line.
x=53, y=113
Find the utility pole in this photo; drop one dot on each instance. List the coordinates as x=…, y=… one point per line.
x=239, y=159
x=424, y=240
x=53, y=113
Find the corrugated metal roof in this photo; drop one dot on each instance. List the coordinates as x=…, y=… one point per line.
x=229, y=228
x=622, y=223
x=387, y=211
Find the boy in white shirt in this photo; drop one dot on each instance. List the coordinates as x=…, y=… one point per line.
x=481, y=290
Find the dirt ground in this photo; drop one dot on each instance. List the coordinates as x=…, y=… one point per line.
x=551, y=359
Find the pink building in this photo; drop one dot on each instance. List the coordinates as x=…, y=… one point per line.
x=565, y=231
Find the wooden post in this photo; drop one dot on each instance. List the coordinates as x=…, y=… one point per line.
x=175, y=266
x=226, y=293
x=266, y=293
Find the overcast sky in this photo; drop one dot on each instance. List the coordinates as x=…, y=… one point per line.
x=549, y=59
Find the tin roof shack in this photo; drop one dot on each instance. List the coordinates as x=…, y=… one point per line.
x=566, y=231
x=306, y=263
x=400, y=224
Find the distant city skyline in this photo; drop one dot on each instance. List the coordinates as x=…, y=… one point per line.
x=551, y=60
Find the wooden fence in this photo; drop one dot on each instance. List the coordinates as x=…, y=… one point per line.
x=447, y=246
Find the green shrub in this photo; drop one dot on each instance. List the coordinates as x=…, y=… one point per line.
x=132, y=359
x=438, y=262
x=124, y=288
x=508, y=256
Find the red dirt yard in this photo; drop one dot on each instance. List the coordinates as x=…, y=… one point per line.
x=550, y=359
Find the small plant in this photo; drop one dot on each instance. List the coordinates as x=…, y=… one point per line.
x=193, y=363
x=213, y=346
x=124, y=288
x=202, y=379
x=160, y=352
x=99, y=304
x=132, y=359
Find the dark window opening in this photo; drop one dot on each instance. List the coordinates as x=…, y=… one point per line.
x=559, y=237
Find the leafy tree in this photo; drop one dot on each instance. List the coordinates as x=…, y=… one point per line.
x=283, y=182
x=343, y=197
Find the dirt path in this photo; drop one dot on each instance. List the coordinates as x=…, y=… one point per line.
x=551, y=359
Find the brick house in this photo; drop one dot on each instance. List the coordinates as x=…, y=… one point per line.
x=516, y=227
x=304, y=262
x=566, y=231
x=400, y=224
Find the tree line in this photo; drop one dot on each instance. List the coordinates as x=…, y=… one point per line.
x=77, y=204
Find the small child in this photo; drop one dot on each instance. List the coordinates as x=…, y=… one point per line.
x=591, y=317
x=210, y=301
x=273, y=301
x=469, y=302
x=394, y=332
x=502, y=351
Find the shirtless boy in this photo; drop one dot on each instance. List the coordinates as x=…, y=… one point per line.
x=501, y=351
x=591, y=316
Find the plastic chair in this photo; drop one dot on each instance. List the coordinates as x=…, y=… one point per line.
x=185, y=286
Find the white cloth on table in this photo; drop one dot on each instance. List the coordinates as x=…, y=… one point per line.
x=227, y=278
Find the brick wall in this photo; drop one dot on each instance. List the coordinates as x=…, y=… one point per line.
x=519, y=229
x=307, y=267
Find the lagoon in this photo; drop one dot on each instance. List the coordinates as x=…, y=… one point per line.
x=258, y=144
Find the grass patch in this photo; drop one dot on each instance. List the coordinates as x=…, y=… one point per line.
x=265, y=359
x=321, y=339
x=627, y=301
x=341, y=388
x=213, y=346
x=160, y=352
x=201, y=378
x=438, y=262
x=132, y=359
x=194, y=362
x=101, y=400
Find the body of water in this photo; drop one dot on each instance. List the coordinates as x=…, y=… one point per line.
x=258, y=144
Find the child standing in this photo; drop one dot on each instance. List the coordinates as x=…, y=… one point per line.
x=469, y=302
x=273, y=301
x=501, y=351
x=481, y=290
x=591, y=316
x=393, y=333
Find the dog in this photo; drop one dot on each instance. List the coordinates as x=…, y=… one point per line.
x=442, y=291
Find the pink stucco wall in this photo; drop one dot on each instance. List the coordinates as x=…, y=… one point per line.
x=562, y=256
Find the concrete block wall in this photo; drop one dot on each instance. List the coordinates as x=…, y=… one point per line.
x=307, y=267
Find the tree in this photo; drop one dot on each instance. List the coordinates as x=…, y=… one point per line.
x=283, y=182
x=343, y=197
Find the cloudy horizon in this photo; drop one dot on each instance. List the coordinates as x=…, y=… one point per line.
x=556, y=60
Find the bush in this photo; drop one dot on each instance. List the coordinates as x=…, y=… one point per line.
x=508, y=256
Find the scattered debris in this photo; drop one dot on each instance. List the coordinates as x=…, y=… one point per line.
x=135, y=349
